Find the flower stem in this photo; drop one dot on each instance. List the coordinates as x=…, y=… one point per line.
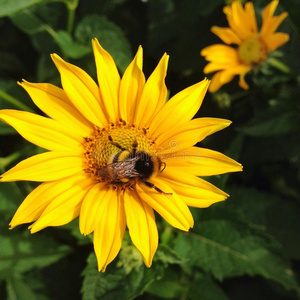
x=279, y=65
x=12, y=100
x=71, y=5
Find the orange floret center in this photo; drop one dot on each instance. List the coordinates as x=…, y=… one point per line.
x=119, y=139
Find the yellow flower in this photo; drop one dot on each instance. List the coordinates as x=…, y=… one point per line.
x=252, y=46
x=117, y=152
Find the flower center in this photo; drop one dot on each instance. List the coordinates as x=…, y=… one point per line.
x=250, y=51
x=120, y=154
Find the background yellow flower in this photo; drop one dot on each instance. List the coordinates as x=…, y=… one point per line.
x=253, y=46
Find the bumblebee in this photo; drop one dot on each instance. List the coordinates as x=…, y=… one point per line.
x=130, y=166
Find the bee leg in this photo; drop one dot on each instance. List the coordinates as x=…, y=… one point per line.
x=164, y=166
x=134, y=146
x=115, y=143
x=151, y=185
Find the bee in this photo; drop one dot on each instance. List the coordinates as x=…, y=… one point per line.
x=130, y=166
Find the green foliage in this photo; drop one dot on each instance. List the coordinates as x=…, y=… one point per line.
x=20, y=289
x=226, y=249
x=116, y=283
x=247, y=246
x=276, y=125
x=69, y=47
x=261, y=208
x=111, y=36
x=9, y=8
x=21, y=252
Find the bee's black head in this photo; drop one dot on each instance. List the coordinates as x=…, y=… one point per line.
x=144, y=165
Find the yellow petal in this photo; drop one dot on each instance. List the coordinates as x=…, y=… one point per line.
x=201, y=162
x=250, y=16
x=141, y=224
x=274, y=23
x=109, y=232
x=37, y=201
x=170, y=207
x=221, y=54
x=46, y=166
x=42, y=131
x=226, y=35
x=180, y=108
x=276, y=40
x=268, y=18
x=194, y=191
x=131, y=87
x=239, y=22
x=54, y=102
x=269, y=10
x=64, y=208
x=81, y=90
x=242, y=83
x=189, y=134
x=217, y=82
x=226, y=76
x=227, y=73
x=92, y=206
x=108, y=79
x=154, y=94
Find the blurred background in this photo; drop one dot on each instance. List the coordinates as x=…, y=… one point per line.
x=247, y=247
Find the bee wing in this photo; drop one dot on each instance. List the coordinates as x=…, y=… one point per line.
x=118, y=170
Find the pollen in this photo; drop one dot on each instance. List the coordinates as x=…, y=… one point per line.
x=105, y=143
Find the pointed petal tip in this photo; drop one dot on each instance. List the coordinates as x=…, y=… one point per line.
x=148, y=264
x=187, y=229
x=56, y=58
x=101, y=266
x=102, y=269
x=33, y=229
x=97, y=45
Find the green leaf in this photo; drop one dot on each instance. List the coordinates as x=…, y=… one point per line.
x=17, y=289
x=226, y=249
x=8, y=7
x=277, y=125
x=168, y=287
x=207, y=288
x=21, y=252
x=110, y=36
x=175, y=285
x=261, y=208
x=115, y=283
x=167, y=255
x=6, y=129
x=30, y=23
x=69, y=47
x=10, y=196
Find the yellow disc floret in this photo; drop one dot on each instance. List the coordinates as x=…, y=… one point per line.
x=251, y=51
